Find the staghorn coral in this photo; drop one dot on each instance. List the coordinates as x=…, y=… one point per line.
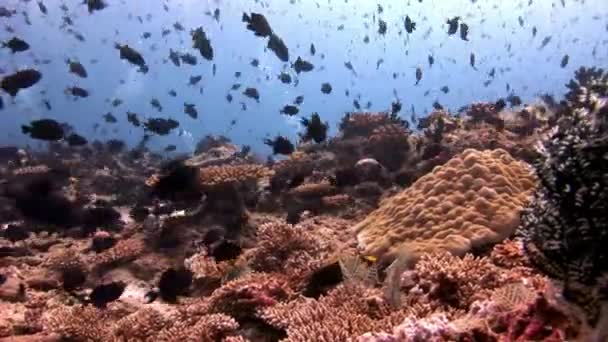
x=141, y=325
x=122, y=251
x=289, y=249
x=509, y=254
x=243, y=296
x=204, y=266
x=345, y=313
x=208, y=328
x=448, y=280
x=472, y=200
x=213, y=176
x=565, y=227
x=81, y=323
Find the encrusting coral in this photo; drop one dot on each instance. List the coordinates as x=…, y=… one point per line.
x=472, y=200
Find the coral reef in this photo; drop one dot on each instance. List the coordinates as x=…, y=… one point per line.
x=472, y=200
x=380, y=233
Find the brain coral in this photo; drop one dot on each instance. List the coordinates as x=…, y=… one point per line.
x=474, y=199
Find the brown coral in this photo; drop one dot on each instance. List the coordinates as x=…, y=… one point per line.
x=313, y=190
x=213, y=176
x=363, y=124
x=474, y=199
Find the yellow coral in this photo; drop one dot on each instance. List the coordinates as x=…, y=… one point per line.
x=472, y=200
x=227, y=174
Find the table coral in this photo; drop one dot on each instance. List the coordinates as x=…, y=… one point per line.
x=474, y=199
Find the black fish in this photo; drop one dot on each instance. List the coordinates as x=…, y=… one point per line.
x=229, y=98
x=302, y=65
x=77, y=92
x=492, y=72
x=453, y=25
x=514, y=100
x=173, y=283
x=156, y=104
x=95, y=5
x=255, y=63
x=258, y=24
x=356, y=104
x=235, y=86
x=472, y=61
x=299, y=100
x=165, y=32
x=195, y=79
x=174, y=57
x=132, y=56
x=396, y=107
x=279, y=48
x=77, y=69
x=312, y=49
x=237, y=74
x=1, y=103
x=418, y=75
x=146, y=35
x=545, y=41
x=16, y=45
x=290, y=110
x=315, y=129
x=106, y=293
x=44, y=129
x=350, y=67
x=160, y=126
x=5, y=12
x=382, y=27
x=285, y=77
x=410, y=26
x=47, y=104
x=445, y=89
x=116, y=102
x=521, y=21
x=252, y=93
x=464, y=31
x=178, y=26
x=379, y=62
x=190, y=110
x=172, y=93
x=42, y=7
x=431, y=60
x=500, y=105
x=280, y=145
x=326, y=88
x=437, y=105
x=109, y=118
x=76, y=140
x=534, y=31
x=170, y=148
x=133, y=119
x=188, y=59
x=202, y=43
x=564, y=61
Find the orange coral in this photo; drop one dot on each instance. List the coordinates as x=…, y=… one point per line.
x=472, y=200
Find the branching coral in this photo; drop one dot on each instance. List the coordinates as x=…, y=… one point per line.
x=447, y=280
x=82, y=323
x=472, y=200
x=289, y=249
x=565, y=228
x=123, y=251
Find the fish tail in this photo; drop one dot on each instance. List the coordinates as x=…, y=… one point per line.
x=25, y=129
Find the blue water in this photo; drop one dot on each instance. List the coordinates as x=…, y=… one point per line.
x=578, y=28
